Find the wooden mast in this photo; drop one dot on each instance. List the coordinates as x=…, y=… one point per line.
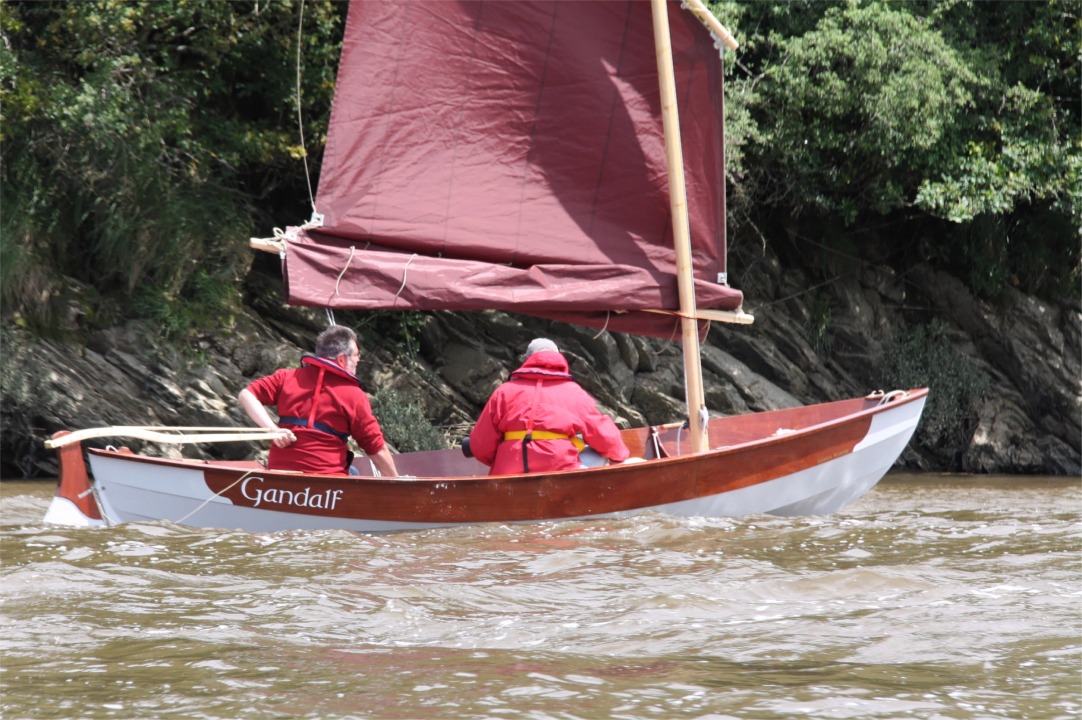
x=689, y=326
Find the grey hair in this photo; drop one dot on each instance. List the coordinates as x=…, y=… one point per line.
x=334, y=341
x=539, y=344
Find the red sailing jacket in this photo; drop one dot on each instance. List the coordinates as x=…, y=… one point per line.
x=341, y=409
x=541, y=395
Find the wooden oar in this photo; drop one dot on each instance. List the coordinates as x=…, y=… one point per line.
x=163, y=434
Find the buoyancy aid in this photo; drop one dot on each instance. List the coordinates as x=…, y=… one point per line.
x=530, y=433
x=543, y=400
x=324, y=366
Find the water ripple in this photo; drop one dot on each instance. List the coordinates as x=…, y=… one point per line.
x=926, y=600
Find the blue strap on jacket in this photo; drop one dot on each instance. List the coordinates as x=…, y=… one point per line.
x=317, y=425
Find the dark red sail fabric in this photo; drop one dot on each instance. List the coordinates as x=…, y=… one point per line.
x=510, y=155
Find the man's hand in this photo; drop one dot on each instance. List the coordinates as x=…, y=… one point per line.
x=285, y=438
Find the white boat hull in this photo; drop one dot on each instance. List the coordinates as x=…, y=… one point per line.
x=777, y=466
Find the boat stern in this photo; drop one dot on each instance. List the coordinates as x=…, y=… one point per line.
x=74, y=504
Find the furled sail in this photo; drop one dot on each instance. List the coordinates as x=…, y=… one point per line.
x=510, y=155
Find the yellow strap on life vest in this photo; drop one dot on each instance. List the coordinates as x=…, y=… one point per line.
x=544, y=435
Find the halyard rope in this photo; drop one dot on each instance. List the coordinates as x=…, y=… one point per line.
x=300, y=119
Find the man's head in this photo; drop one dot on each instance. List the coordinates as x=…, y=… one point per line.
x=539, y=344
x=339, y=343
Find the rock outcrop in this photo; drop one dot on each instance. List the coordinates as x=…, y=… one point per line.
x=810, y=343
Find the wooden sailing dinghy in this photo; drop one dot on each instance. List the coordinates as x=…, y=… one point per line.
x=800, y=461
x=558, y=159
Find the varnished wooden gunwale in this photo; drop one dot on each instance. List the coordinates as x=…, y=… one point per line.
x=747, y=450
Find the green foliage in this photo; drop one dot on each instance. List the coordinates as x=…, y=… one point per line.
x=993, y=251
x=864, y=102
x=924, y=357
x=142, y=143
x=400, y=328
x=404, y=423
x=206, y=300
x=1023, y=144
x=942, y=118
x=137, y=138
x=820, y=312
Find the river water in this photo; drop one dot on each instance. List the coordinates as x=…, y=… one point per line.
x=931, y=597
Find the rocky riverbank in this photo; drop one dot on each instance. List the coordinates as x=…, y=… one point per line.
x=1008, y=377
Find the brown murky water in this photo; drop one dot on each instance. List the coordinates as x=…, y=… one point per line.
x=930, y=598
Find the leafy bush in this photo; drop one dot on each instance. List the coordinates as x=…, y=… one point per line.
x=943, y=132
x=399, y=328
x=925, y=357
x=207, y=300
x=404, y=423
x=140, y=139
x=862, y=105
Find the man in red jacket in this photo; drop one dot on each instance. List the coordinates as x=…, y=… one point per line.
x=321, y=404
x=538, y=419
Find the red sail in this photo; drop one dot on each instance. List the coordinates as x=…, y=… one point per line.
x=510, y=155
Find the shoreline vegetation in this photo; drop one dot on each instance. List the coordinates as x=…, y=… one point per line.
x=904, y=187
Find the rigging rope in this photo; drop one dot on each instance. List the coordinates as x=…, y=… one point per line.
x=93, y=490
x=300, y=119
x=604, y=327
x=405, y=269
x=352, y=249
x=217, y=494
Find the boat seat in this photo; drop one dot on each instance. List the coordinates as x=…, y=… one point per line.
x=430, y=463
